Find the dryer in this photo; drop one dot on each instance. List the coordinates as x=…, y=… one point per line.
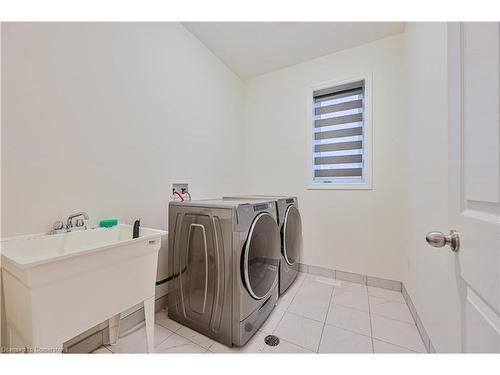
x=224, y=260
x=290, y=226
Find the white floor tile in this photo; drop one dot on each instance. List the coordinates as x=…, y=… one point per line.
x=390, y=295
x=285, y=301
x=195, y=337
x=323, y=280
x=102, y=350
x=390, y=309
x=347, y=286
x=301, y=276
x=297, y=321
x=349, y=319
x=348, y=299
x=178, y=344
x=297, y=283
x=134, y=340
x=254, y=345
x=286, y=298
x=319, y=284
x=285, y=347
x=311, y=303
x=300, y=331
x=384, y=347
x=272, y=321
x=162, y=319
x=336, y=340
x=396, y=332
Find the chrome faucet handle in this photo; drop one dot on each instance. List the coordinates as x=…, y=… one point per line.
x=79, y=223
x=58, y=225
x=69, y=222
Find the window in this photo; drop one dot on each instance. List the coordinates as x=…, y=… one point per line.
x=341, y=155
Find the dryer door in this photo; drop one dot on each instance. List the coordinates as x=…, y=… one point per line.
x=292, y=235
x=261, y=256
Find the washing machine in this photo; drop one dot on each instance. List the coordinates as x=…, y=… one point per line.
x=290, y=226
x=224, y=258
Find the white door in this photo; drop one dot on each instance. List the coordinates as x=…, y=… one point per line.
x=474, y=178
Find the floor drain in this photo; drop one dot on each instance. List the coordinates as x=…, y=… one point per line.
x=272, y=340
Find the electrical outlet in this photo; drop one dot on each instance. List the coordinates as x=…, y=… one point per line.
x=180, y=188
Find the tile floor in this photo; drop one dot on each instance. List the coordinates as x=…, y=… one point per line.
x=316, y=315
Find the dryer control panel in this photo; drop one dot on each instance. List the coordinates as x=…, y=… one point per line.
x=260, y=207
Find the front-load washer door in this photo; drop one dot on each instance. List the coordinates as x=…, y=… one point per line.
x=261, y=256
x=292, y=235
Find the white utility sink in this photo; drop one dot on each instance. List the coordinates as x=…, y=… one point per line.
x=58, y=286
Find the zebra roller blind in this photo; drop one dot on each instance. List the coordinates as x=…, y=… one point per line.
x=338, y=134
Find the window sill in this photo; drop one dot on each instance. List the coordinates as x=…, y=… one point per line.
x=341, y=187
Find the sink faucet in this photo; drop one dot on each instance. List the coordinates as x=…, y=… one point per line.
x=59, y=226
x=80, y=224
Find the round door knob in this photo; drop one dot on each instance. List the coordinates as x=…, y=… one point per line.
x=439, y=239
x=436, y=239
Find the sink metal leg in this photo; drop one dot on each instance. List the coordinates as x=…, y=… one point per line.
x=149, y=315
x=114, y=329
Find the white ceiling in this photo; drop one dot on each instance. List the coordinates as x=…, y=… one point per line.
x=253, y=48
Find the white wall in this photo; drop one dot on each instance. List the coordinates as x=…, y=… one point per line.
x=104, y=117
x=352, y=230
x=429, y=275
